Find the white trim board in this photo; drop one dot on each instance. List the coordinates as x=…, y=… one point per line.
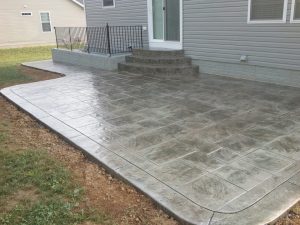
x=283, y=20
x=154, y=43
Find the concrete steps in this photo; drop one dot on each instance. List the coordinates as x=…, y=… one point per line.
x=159, y=69
x=159, y=63
x=155, y=53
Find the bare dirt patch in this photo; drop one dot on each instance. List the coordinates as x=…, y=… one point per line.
x=29, y=194
x=292, y=217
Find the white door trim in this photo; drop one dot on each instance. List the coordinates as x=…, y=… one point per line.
x=154, y=43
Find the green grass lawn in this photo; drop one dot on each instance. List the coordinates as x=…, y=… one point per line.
x=50, y=195
x=37, y=190
x=10, y=59
x=34, y=188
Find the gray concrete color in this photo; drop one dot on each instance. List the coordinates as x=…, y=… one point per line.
x=80, y=58
x=212, y=150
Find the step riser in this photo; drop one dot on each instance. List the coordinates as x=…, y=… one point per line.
x=155, y=61
x=158, y=54
x=193, y=70
x=159, y=63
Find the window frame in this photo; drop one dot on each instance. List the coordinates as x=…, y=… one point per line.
x=292, y=19
x=283, y=20
x=111, y=6
x=49, y=21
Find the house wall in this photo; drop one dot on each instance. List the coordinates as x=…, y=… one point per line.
x=216, y=34
x=126, y=12
x=17, y=30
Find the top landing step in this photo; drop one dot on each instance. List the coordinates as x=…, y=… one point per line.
x=151, y=52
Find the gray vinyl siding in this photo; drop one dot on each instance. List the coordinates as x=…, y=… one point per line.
x=215, y=30
x=126, y=12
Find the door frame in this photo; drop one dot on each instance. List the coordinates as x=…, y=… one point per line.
x=155, y=43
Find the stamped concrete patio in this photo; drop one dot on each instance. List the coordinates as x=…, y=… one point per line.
x=212, y=150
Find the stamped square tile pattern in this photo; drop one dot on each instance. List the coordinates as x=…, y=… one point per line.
x=178, y=172
x=167, y=151
x=203, y=160
x=210, y=191
x=239, y=143
x=296, y=179
x=262, y=134
x=195, y=147
x=288, y=146
x=268, y=161
x=224, y=154
x=243, y=174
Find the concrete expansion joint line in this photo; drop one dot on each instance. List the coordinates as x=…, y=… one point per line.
x=239, y=211
x=214, y=212
x=211, y=218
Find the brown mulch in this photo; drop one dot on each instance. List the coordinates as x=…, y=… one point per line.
x=103, y=192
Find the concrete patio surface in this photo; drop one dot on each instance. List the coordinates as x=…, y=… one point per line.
x=209, y=150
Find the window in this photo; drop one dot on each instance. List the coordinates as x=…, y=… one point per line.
x=108, y=3
x=26, y=14
x=267, y=11
x=46, y=23
x=295, y=14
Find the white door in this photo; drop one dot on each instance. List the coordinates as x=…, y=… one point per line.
x=165, y=23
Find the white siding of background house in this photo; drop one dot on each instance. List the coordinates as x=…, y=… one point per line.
x=17, y=30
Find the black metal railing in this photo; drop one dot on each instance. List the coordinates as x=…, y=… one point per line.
x=104, y=40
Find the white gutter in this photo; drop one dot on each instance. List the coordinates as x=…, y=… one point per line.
x=78, y=3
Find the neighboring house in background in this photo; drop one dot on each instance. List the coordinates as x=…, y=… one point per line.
x=252, y=39
x=32, y=22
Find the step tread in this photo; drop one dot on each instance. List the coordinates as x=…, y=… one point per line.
x=144, y=52
x=158, y=50
x=159, y=66
x=159, y=58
